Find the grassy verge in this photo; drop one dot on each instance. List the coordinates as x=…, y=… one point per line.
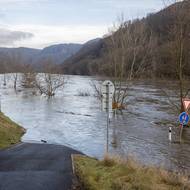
x=10, y=132
x=117, y=174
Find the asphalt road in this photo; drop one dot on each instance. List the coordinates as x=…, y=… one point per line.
x=36, y=167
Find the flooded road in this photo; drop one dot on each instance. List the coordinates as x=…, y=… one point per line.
x=77, y=121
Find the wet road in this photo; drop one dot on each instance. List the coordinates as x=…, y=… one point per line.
x=36, y=167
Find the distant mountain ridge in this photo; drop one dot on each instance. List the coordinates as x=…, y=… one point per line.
x=59, y=52
x=22, y=55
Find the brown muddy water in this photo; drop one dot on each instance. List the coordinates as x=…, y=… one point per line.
x=77, y=121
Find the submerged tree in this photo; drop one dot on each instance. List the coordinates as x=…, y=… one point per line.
x=126, y=41
x=49, y=81
x=28, y=77
x=14, y=67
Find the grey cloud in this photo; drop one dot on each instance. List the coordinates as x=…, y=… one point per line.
x=8, y=37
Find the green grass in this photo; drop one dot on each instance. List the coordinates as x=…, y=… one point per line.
x=10, y=132
x=118, y=174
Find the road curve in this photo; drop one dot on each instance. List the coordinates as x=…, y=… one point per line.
x=30, y=166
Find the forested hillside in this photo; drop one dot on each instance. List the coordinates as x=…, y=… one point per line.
x=82, y=62
x=155, y=46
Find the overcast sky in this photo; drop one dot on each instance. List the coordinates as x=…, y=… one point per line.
x=39, y=23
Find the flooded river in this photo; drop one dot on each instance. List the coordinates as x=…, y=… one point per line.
x=77, y=121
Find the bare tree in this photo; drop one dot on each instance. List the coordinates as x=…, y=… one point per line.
x=179, y=40
x=117, y=44
x=49, y=81
x=97, y=89
x=4, y=68
x=28, y=77
x=14, y=67
x=125, y=42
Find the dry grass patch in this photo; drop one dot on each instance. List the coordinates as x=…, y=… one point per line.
x=118, y=174
x=10, y=132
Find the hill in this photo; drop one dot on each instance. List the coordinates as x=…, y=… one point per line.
x=148, y=47
x=13, y=59
x=58, y=53
x=79, y=63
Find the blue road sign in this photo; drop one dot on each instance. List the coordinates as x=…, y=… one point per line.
x=184, y=118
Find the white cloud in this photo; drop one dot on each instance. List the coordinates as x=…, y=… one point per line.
x=45, y=35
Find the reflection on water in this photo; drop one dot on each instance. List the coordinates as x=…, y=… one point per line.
x=77, y=121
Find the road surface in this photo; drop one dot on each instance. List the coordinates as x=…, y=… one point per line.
x=30, y=166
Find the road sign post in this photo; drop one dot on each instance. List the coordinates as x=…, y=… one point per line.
x=107, y=96
x=183, y=119
x=108, y=117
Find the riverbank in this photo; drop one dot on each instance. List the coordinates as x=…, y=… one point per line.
x=118, y=174
x=10, y=132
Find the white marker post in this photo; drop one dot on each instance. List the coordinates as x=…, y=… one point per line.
x=170, y=134
x=107, y=96
x=4, y=79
